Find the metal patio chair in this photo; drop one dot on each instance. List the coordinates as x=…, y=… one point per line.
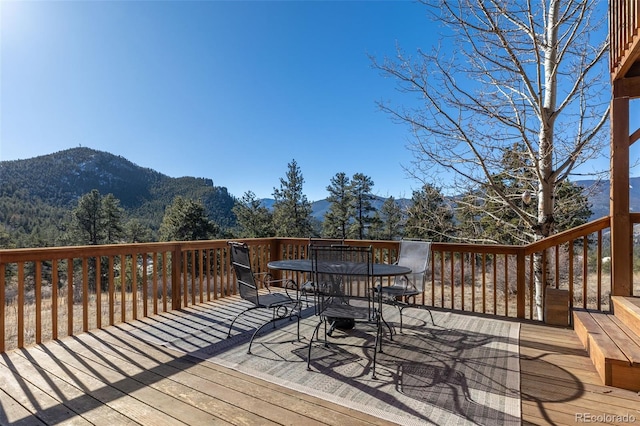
x=343, y=277
x=308, y=287
x=281, y=304
x=416, y=255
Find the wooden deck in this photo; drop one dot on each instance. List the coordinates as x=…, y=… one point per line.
x=107, y=377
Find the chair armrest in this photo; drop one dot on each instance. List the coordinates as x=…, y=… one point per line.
x=267, y=280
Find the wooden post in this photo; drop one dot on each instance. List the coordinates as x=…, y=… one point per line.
x=621, y=241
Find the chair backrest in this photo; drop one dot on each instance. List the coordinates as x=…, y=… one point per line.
x=343, y=271
x=324, y=242
x=244, y=274
x=416, y=255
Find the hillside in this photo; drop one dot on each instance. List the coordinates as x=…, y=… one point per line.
x=37, y=194
x=56, y=181
x=599, y=196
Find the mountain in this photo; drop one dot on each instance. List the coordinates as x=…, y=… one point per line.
x=61, y=178
x=599, y=195
x=38, y=193
x=321, y=207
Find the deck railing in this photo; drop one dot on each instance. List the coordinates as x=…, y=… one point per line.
x=624, y=22
x=49, y=293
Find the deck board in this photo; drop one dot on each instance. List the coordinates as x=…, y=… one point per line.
x=558, y=380
x=109, y=377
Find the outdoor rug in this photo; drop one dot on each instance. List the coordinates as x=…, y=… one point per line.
x=458, y=369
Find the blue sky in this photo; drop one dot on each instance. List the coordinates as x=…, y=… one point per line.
x=232, y=91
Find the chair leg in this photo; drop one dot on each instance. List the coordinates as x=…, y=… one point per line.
x=388, y=326
x=256, y=332
x=400, y=308
x=375, y=348
x=379, y=334
x=234, y=320
x=315, y=333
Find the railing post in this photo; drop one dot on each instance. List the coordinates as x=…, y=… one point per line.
x=520, y=283
x=621, y=230
x=276, y=254
x=176, y=268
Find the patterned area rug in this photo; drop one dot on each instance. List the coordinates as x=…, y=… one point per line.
x=458, y=369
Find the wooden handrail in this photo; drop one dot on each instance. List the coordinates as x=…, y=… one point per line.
x=568, y=235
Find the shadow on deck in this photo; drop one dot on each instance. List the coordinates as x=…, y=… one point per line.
x=159, y=370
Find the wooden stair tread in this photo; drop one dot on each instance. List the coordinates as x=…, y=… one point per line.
x=627, y=310
x=598, y=334
x=613, y=345
x=622, y=336
x=631, y=303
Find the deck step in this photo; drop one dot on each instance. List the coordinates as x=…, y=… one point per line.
x=613, y=348
x=627, y=310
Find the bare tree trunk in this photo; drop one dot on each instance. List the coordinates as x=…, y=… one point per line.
x=520, y=74
x=546, y=178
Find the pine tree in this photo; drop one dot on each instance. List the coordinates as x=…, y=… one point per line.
x=291, y=209
x=112, y=216
x=391, y=219
x=253, y=219
x=89, y=219
x=340, y=213
x=361, y=186
x=186, y=220
x=429, y=217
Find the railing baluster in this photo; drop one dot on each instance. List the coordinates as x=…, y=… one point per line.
x=20, y=318
x=185, y=279
x=599, y=272
x=145, y=290
x=472, y=256
x=3, y=304
x=99, y=292
x=38, y=294
x=495, y=284
x=164, y=280
x=70, y=297
x=54, y=298
x=112, y=291
x=85, y=295
x=123, y=288
x=484, y=283
x=462, y=283
x=452, y=267
x=433, y=278
x=200, y=274
x=531, y=286
x=216, y=283
x=557, y=265
x=506, y=285
x=571, y=273
x=585, y=271
x=154, y=282
x=134, y=287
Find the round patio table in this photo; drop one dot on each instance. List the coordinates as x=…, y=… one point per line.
x=353, y=268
